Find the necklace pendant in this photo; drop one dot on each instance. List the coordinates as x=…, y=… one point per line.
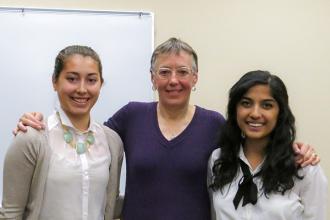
x=68, y=137
x=81, y=148
x=90, y=138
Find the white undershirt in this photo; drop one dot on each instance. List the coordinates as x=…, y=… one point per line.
x=76, y=184
x=306, y=200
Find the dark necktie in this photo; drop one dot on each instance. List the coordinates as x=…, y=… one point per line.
x=247, y=189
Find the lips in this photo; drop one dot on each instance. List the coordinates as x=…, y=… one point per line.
x=80, y=100
x=174, y=91
x=255, y=124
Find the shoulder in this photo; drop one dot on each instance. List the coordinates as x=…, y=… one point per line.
x=210, y=113
x=31, y=137
x=30, y=143
x=135, y=107
x=313, y=173
x=140, y=105
x=210, y=116
x=313, y=179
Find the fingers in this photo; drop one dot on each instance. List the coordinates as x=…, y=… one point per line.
x=305, y=154
x=309, y=156
x=316, y=160
x=31, y=119
x=296, y=147
x=307, y=160
x=15, y=131
x=299, y=159
x=37, y=115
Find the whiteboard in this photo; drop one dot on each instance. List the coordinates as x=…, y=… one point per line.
x=30, y=40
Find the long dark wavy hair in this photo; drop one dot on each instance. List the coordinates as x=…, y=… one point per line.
x=279, y=169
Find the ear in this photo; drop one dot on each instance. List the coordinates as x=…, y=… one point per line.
x=54, y=85
x=195, y=78
x=153, y=80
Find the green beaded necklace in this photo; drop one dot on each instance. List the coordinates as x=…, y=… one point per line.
x=68, y=138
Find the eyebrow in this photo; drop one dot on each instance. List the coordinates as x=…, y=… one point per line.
x=165, y=67
x=76, y=73
x=264, y=100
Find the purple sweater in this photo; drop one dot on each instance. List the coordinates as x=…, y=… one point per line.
x=166, y=180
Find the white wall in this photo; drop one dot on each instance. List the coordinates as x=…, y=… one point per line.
x=289, y=38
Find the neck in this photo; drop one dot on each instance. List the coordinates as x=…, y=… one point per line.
x=172, y=121
x=255, y=151
x=80, y=122
x=173, y=113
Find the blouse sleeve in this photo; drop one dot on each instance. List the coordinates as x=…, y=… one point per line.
x=313, y=193
x=215, y=155
x=19, y=166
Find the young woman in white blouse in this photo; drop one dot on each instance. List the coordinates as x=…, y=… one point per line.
x=71, y=169
x=253, y=175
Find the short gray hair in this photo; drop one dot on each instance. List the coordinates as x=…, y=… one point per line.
x=174, y=45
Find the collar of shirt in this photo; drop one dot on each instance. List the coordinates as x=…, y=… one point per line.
x=243, y=157
x=54, y=121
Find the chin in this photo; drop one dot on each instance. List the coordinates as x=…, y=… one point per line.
x=79, y=111
x=256, y=137
x=175, y=101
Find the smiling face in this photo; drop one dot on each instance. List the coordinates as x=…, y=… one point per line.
x=78, y=85
x=174, y=90
x=257, y=113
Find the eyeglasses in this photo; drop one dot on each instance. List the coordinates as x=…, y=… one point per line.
x=180, y=73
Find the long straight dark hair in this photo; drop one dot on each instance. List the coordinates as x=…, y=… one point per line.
x=279, y=169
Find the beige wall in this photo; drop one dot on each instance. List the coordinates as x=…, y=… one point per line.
x=289, y=38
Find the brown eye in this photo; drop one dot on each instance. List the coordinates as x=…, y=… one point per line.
x=245, y=103
x=92, y=80
x=267, y=105
x=72, y=79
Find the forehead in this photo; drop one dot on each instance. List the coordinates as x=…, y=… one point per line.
x=259, y=92
x=81, y=63
x=174, y=59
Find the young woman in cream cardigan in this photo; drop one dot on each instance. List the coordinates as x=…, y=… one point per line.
x=71, y=169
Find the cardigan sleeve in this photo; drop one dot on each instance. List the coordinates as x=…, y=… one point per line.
x=115, y=201
x=19, y=166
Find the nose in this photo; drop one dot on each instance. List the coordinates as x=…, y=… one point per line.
x=173, y=78
x=255, y=112
x=82, y=87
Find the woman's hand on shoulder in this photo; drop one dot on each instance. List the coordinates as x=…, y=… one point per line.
x=305, y=154
x=32, y=119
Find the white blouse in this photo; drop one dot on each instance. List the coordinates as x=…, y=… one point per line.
x=76, y=184
x=306, y=200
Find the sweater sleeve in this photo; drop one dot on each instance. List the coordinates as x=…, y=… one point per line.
x=118, y=121
x=19, y=166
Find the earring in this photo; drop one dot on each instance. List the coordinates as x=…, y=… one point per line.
x=242, y=135
x=193, y=88
x=153, y=88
